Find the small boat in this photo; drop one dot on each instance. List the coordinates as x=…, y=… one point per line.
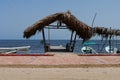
x=22, y=48
x=88, y=50
x=111, y=49
x=8, y=50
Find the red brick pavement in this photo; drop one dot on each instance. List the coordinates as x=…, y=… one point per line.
x=59, y=59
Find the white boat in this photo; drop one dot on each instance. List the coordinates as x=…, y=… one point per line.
x=88, y=50
x=111, y=49
x=13, y=49
x=22, y=48
x=8, y=51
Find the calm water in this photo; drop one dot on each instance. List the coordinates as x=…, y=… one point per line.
x=37, y=45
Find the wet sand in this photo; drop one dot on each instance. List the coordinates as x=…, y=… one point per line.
x=90, y=73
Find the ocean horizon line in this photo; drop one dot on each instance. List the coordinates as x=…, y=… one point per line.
x=37, y=39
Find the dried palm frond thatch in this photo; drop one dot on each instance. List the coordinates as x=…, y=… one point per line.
x=73, y=24
x=106, y=32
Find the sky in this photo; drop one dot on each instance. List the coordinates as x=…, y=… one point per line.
x=17, y=15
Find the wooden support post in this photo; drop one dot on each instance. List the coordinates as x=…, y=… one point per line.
x=71, y=37
x=43, y=34
x=48, y=35
x=110, y=44
x=74, y=42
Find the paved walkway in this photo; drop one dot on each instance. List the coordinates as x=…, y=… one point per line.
x=59, y=60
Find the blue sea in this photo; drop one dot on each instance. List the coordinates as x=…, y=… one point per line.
x=37, y=45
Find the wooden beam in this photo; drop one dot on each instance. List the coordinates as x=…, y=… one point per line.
x=74, y=42
x=44, y=41
x=71, y=37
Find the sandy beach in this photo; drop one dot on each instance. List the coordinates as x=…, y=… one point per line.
x=59, y=67
x=95, y=73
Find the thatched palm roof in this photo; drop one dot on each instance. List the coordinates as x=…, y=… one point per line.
x=72, y=23
x=106, y=32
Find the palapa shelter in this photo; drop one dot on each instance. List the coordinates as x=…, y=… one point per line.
x=73, y=24
x=106, y=32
